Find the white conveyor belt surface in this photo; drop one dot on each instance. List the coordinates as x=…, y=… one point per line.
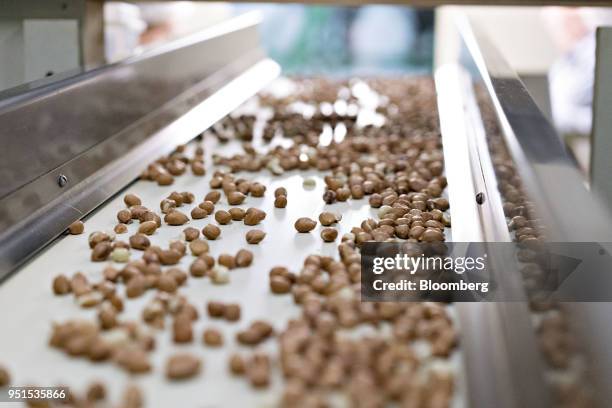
x=28, y=306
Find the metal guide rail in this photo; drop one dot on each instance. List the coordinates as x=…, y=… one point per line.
x=71, y=145
x=501, y=358
x=483, y=105
x=554, y=186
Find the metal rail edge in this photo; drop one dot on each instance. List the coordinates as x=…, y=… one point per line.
x=503, y=365
x=99, y=130
x=555, y=185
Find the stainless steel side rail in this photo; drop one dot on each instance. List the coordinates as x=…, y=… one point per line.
x=70, y=146
x=558, y=191
x=551, y=178
x=552, y=182
x=501, y=358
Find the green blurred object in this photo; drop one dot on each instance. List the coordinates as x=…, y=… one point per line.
x=320, y=45
x=341, y=41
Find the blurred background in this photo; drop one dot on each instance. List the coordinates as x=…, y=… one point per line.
x=553, y=52
x=303, y=39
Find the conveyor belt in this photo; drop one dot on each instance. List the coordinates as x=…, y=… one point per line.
x=25, y=331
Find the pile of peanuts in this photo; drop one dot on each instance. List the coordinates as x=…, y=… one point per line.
x=397, y=166
x=83, y=341
x=127, y=344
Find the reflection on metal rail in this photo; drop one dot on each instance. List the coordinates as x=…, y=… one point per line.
x=95, y=132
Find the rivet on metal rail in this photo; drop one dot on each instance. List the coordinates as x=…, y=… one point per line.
x=480, y=198
x=62, y=180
